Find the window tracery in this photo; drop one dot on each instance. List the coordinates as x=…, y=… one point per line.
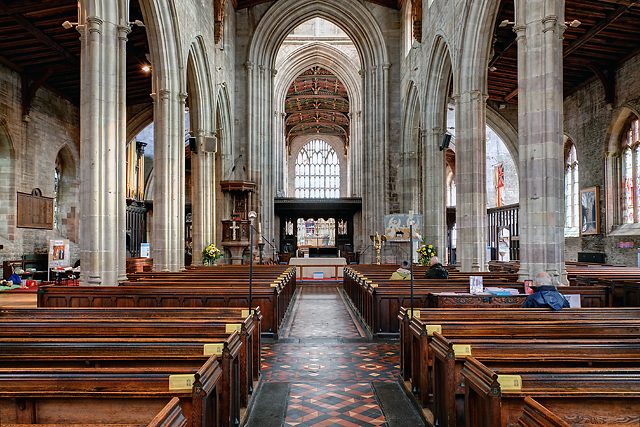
x=571, y=188
x=317, y=171
x=630, y=159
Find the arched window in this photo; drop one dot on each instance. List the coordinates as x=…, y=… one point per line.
x=571, y=187
x=317, y=171
x=631, y=173
x=56, y=196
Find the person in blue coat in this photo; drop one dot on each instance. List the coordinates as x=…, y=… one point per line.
x=545, y=295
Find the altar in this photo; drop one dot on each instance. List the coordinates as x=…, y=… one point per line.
x=330, y=267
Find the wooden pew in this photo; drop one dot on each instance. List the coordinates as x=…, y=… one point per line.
x=449, y=357
x=251, y=338
x=132, y=329
x=270, y=300
x=609, y=397
x=119, y=395
x=169, y=416
x=508, y=323
x=379, y=300
x=536, y=415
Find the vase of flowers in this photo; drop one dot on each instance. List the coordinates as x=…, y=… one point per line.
x=425, y=253
x=210, y=255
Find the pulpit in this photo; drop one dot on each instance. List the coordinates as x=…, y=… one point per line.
x=235, y=237
x=235, y=232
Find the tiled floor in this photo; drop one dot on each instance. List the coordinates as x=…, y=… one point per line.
x=330, y=364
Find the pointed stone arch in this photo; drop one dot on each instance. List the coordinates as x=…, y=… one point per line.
x=68, y=193
x=7, y=175
x=201, y=102
x=169, y=95
x=434, y=178
x=359, y=24
x=612, y=167
x=470, y=95
x=336, y=61
x=505, y=131
x=225, y=159
x=411, y=161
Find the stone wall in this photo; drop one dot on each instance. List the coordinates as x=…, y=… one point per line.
x=30, y=147
x=589, y=123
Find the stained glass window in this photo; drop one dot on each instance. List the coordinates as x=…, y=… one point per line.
x=571, y=190
x=56, y=197
x=317, y=171
x=631, y=173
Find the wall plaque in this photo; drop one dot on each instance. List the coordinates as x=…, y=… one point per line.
x=35, y=211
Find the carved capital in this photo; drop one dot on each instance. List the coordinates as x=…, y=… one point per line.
x=164, y=94
x=94, y=24
x=249, y=65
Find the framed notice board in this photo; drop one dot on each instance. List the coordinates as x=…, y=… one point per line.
x=35, y=211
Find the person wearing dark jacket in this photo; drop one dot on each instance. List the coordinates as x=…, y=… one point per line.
x=545, y=295
x=436, y=271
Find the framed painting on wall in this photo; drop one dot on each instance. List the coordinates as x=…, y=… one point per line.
x=590, y=211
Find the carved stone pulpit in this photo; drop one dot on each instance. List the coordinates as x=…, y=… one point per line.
x=235, y=232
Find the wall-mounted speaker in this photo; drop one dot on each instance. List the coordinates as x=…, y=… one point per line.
x=210, y=144
x=445, y=141
x=193, y=144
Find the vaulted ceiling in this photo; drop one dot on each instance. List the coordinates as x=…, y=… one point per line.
x=317, y=103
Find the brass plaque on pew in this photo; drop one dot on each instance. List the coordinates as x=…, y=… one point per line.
x=413, y=313
x=433, y=328
x=275, y=284
x=461, y=350
x=246, y=313
x=181, y=381
x=232, y=327
x=510, y=382
x=211, y=349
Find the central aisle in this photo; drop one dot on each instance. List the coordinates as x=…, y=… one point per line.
x=330, y=364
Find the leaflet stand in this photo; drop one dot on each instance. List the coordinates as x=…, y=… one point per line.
x=59, y=255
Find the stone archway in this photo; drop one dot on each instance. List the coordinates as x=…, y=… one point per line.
x=7, y=174
x=436, y=95
x=169, y=87
x=357, y=22
x=334, y=60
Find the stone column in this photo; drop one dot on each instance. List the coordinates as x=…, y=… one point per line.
x=167, y=248
x=103, y=145
x=434, y=224
x=539, y=28
x=202, y=200
x=471, y=158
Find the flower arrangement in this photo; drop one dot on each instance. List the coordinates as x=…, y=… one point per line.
x=210, y=253
x=425, y=252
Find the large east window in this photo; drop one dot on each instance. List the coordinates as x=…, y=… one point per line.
x=317, y=172
x=571, y=188
x=631, y=173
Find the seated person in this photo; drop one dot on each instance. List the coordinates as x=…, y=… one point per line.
x=402, y=273
x=545, y=295
x=436, y=270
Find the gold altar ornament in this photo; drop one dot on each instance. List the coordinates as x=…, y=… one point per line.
x=377, y=243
